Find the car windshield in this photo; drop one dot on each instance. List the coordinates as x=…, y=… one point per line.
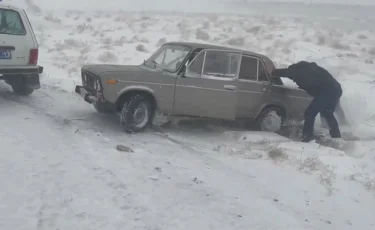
x=168, y=57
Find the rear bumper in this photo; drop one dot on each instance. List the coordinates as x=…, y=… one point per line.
x=89, y=98
x=12, y=75
x=21, y=71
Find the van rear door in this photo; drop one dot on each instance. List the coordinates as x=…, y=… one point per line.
x=16, y=38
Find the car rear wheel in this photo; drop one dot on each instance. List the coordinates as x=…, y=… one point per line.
x=19, y=85
x=136, y=113
x=270, y=120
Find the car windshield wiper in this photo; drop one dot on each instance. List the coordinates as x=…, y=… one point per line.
x=155, y=63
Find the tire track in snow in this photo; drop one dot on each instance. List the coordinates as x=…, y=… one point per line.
x=37, y=109
x=121, y=200
x=107, y=177
x=51, y=203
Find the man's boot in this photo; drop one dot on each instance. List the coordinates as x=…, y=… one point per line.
x=307, y=138
x=335, y=133
x=308, y=129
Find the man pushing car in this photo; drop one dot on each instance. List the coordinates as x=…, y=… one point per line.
x=325, y=90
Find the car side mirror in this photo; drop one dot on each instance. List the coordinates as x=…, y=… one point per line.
x=183, y=71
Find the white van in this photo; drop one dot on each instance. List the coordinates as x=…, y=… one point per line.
x=18, y=51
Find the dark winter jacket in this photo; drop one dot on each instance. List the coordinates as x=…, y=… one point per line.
x=309, y=77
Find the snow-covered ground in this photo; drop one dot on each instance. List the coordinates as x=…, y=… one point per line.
x=59, y=165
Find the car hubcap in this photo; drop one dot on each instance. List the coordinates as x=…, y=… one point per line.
x=140, y=116
x=271, y=123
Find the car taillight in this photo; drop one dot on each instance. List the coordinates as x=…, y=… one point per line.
x=33, y=59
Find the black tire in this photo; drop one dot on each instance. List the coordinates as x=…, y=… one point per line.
x=19, y=85
x=22, y=89
x=270, y=114
x=102, y=108
x=129, y=109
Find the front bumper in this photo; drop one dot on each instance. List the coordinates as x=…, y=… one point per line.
x=89, y=98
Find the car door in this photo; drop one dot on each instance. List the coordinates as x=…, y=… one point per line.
x=253, y=88
x=16, y=40
x=209, y=85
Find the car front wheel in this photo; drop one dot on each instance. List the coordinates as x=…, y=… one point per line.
x=136, y=113
x=270, y=120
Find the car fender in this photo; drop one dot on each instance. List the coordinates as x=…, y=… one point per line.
x=136, y=88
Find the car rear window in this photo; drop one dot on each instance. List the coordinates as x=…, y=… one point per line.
x=11, y=22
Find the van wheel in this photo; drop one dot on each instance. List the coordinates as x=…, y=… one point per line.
x=136, y=113
x=19, y=85
x=22, y=89
x=270, y=120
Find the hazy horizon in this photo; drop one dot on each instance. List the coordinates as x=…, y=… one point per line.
x=174, y=5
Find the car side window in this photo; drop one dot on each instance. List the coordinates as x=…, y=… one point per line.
x=191, y=57
x=249, y=68
x=221, y=64
x=195, y=67
x=262, y=74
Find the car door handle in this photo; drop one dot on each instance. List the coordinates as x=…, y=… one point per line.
x=265, y=90
x=229, y=87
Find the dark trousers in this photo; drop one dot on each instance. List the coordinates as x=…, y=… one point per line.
x=340, y=115
x=325, y=104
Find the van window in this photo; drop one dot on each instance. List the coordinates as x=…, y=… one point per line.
x=11, y=22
